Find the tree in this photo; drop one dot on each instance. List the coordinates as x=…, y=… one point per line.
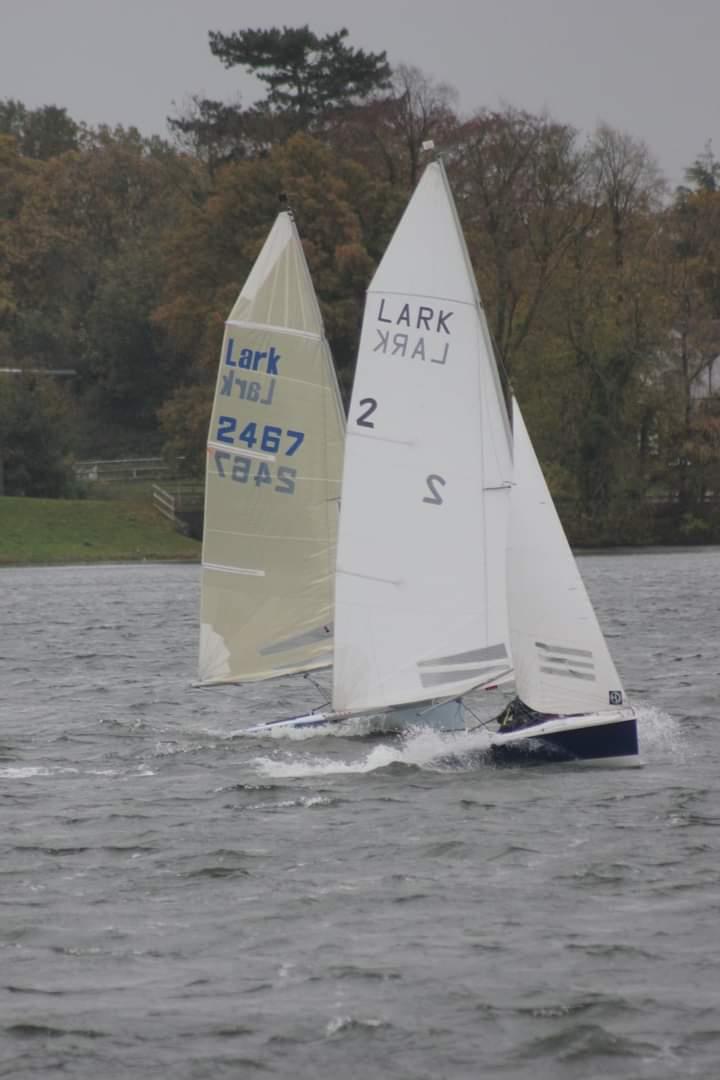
x=704, y=173
x=627, y=179
x=34, y=437
x=308, y=78
x=40, y=133
x=614, y=323
x=690, y=353
x=344, y=217
x=388, y=130
x=519, y=179
x=80, y=278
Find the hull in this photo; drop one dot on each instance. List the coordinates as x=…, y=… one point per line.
x=608, y=738
x=448, y=716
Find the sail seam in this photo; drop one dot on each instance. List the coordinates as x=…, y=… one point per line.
x=259, y=454
x=369, y=577
x=422, y=296
x=233, y=569
x=311, y=335
x=270, y=536
x=379, y=438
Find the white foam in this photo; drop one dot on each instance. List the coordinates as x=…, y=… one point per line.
x=422, y=748
x=659, y=734
x=21, y=772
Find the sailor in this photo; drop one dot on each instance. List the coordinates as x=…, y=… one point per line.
x=517, y=714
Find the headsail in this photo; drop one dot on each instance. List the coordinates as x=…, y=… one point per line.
x=273, y=478
x=420, y=593
x=562, y=663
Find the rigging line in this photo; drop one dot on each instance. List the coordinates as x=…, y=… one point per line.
x=478, y=722
x=319, y=689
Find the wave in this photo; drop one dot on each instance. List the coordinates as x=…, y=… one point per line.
x=421, y=749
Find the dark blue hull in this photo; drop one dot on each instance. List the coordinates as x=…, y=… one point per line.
x=599, y=743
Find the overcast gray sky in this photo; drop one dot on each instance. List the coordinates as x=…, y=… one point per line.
x=648, y=67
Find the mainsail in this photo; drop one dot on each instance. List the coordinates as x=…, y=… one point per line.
x=562, y=663
x=274, y=467
x=420, y=608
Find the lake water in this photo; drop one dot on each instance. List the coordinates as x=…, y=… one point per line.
x=180, y=901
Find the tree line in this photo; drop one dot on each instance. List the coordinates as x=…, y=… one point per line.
x=121, y=255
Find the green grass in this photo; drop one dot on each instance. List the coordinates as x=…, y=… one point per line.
x=87, y=530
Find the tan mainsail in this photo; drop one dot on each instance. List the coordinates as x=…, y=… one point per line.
x=274, y=468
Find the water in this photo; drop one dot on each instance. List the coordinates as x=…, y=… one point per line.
x=178, y=901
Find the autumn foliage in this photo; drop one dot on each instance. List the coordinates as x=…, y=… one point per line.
x=120, y=257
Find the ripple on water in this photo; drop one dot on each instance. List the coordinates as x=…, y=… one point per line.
x=186, y=903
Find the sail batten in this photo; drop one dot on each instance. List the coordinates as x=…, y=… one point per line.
x=275, y=449
x=244, y=324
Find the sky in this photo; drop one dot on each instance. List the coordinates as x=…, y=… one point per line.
x=646, y=67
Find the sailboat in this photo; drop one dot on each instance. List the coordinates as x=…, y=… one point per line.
x=570, y=701
x=451, y=555
x=420, y=606
x=274, y=465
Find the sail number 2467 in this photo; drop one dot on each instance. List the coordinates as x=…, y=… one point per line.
x=269, y=438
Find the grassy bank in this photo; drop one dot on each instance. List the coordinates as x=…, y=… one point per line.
x=87, y=530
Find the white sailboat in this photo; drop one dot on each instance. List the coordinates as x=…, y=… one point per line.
x=572, y=703
x=420, y=606
x=274, y=467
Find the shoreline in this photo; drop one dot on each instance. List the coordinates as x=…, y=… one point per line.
x=187, y=560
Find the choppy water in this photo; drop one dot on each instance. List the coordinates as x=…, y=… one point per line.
x=178, y=901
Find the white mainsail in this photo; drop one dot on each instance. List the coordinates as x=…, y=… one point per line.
x=274, y=467
x=562, y=663
x=420, y=606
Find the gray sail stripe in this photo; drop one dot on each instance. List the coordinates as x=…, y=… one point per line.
x=318, y=633
x=491, y=652
x=569, y=660
x=569, y=673
x=563, y=650
x=441, y=678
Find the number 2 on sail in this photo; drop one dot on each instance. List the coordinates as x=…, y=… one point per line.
x=435, y=498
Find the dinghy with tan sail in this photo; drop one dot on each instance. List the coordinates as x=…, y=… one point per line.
x=274, y=465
